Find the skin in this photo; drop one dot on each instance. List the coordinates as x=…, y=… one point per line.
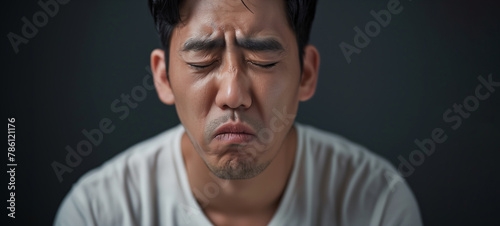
x=233, y=81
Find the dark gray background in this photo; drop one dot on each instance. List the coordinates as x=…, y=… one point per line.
x=395, y=91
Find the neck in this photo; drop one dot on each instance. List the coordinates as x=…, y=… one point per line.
x=259, y=194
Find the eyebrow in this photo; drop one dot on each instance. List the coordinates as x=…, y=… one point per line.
x=260, y=44
x=252, y=44
x=196, y=44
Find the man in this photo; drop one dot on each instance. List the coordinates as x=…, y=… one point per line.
x=236, y=72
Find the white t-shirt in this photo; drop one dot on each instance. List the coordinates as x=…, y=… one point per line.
x=333, y=182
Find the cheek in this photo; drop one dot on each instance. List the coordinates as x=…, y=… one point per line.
x=278, y=90
x=193, y=102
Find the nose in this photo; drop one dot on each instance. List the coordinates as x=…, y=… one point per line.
x=234, y=88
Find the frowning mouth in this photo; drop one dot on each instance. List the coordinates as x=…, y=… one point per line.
x=234, y=133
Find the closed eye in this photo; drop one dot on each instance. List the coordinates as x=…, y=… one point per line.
x=200, y=66
x=266, y=66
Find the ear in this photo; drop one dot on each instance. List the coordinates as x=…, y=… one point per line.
x=162, y=84
x=309, y=73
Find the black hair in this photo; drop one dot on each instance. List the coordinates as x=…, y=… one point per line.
x=300, y=15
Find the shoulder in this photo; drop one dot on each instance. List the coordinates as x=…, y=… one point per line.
x=365, y=186
x=113, y=188
x=342, y=163
x=333, y=150
x=138, y=159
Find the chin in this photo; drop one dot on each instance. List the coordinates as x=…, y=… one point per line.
x=236, y=168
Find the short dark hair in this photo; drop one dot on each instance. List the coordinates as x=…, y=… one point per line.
x=300, y=17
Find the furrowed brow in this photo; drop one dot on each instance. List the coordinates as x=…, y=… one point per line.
x=260, y=44
x=194, y=44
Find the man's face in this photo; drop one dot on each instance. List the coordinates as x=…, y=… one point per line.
x=235, y=80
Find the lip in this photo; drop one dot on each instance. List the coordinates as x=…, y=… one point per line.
x=234, y=133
